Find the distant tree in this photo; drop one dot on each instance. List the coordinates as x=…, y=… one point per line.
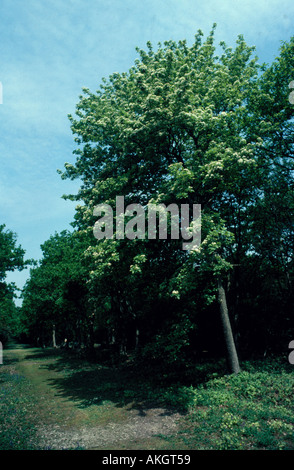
x=11, y=259
x=11, y=255
x=54, y=297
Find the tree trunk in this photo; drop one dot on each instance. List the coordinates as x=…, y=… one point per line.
x=53, y=337
x=137, y=339
x=232, y=357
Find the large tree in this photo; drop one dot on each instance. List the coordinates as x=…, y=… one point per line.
x=183, y=125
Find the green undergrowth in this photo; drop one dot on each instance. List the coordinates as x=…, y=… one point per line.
x=251, y=410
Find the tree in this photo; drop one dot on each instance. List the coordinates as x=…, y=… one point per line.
x=11, y=259
x=172, y=129
x=11, y=255
x=271, y=217
x=54, y=297
x=186, y=126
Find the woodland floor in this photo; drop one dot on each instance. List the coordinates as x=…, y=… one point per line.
x=53, y=400
x=72, y=404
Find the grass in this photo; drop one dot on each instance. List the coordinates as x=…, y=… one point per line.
x=249, y=411
x=16, y=426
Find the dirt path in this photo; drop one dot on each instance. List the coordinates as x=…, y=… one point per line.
x=82, y=406
x=138, y=432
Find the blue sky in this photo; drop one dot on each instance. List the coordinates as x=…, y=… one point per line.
x=50, y=49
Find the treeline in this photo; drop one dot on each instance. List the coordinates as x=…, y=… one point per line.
x=185, y=125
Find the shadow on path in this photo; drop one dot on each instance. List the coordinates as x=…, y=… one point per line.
x=89, y=384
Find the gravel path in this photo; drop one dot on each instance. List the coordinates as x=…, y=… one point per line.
x=140, y=426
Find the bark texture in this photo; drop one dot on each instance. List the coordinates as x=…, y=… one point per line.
x=232, y=356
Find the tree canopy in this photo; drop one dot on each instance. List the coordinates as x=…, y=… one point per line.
x=195, y=124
